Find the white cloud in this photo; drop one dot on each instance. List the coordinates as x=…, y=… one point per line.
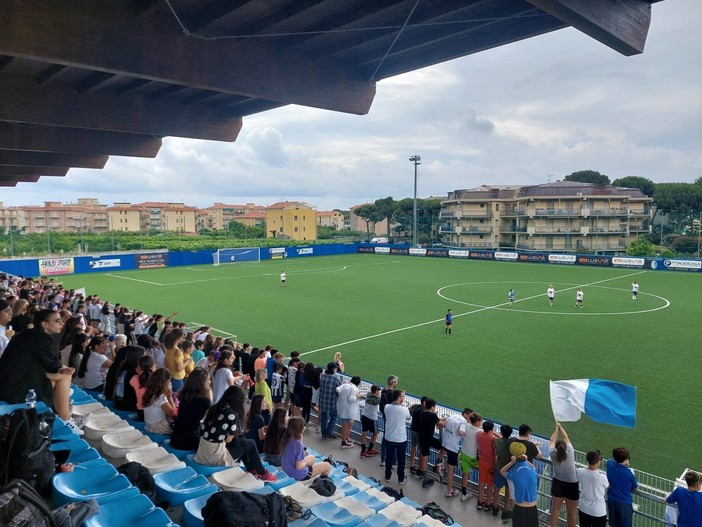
x=521, y=113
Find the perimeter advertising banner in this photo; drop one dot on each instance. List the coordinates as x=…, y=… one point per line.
x=52, y=266
x=694, y=266
x=151, y=260
x=105, y=264
x=595, y=260
x=565, y=259
x=628, y=261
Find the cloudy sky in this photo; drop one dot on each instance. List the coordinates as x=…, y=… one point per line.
x=524, y=113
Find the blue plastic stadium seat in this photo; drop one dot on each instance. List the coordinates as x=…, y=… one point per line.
x=178, y=486
x=370, y=501
x=192, y=511
x=6, y=408
x=263, y=490
x=136, y=511
x=410, y=502
x=421, y=523
x=380, y=521
x=335, y=516
x=126, y=415
x=76, y=446
x=156, y=438
x=180, y=454
x=369, y=481
x=84, y=484
x=312, y=521
x=283, y=479
x=205, y=470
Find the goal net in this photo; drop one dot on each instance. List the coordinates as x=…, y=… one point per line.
x=231, y=256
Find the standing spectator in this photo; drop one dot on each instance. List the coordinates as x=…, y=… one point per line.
x=428, y=422
x=21, y=319
x=416, y=413
x=145, y=367
x=486, y=468
x=176, y=362
x=396, y=417
x=277, y=385
x=348, y=408
x=105, y=325
x=593, y=488
x=386, y=397
x=369, y=422
x=197, y=354
x=328, y=396
x=522, y=474
x=262, y=387
x=339, y=365
x=256, y=420
x=292, y=377
x=565, y=479
x=502, y=457
x=454, y=431
x=689, y=500
x=5, y=319
x=222, y=378
x=621, y=484
x=524, y=437
x=469, y=454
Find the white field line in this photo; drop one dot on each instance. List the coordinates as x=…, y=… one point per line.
x=133, y=279
x=223, y=332
x=406, y=328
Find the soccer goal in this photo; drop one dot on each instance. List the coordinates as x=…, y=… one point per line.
x=231, y=256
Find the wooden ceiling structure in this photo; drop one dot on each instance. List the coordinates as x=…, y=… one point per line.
x=81, y=80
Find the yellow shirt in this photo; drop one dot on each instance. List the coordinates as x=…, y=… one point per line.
x=174, y=359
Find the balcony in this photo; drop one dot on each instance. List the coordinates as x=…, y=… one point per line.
x=474, y=229
x=556, y=230
x=646, y=227
x=607, y=212
x=512, y=211
x=640, y=213
x=614, y=229
x=556, y=212
x=457, y=214
x=511, y=229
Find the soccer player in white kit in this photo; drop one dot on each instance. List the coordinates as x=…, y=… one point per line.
x=550, y=293
x=579, y=298
x=634, y=290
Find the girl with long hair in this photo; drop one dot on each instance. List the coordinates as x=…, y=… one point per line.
x=75, y=356
x=221, y=437
x=306, y=385
x=256, y=421
x=195, y=399
x=159, y=408
x=294, y=462
x=273, y=437
x=124, y=394
x=564, y=486
x=21, y=319
x=94, y=365
x=145, y=367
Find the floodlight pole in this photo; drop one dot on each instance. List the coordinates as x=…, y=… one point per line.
x=415, y=159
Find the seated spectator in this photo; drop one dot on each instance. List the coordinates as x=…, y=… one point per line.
x=159, y=408
x=273, y=437
x=21, y=319
x=145, y=367
x=75, y=355
x=689, y=501
x=94, y=364
x=294, y=462
x=28, y=363
x=124, y=394
x=256, y=420
x=195, y=399
x=5, y=319
x=221, y=437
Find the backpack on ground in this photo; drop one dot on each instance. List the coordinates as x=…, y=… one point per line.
x=294, y=510
x=244, y=509
x=139, y=476
x=25, y=438
x=324, y=486
x=432, y=510
x=393, y=493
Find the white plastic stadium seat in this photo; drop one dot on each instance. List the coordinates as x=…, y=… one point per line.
x=157, y=460
x=97, y=426
x=118, y=444
x=401, y=513
x=236, y=479
x=307, y=497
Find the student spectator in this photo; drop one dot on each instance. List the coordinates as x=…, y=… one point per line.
x=262, y=387
x=340, y=368
x=197, y=354
x=260, y=362
x=454, y=431
x=194, y=400
x=502, y=457
x=294, y=462
x=153, y=347
x=428, y=423
x=396, y=417
x=29, y=363
x=524, y=437
x=21, y=319
x=486, y=468
x=386, y=396
x=329, y=381
x=145, y=367
x=124, y=394
x=159, y=408
x=278, y=386
x=75, y=355
x=622, y=483
x=369, y=422
x=221, y=436
x=469, y=453
x=223, y=377
x=593, y=488
x=256, y=420
x=564, y=486
x=347, y=408
x=522, y=474
x=689, y=501
x=314, y=403
x=416, y=413
x=273, y=437
x=105, y=325
x=94, y=364
x=305, y=383
x=176, y=362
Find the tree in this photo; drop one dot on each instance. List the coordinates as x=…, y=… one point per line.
x=386, y=208
x=683, y=201
x=641, y=246
x=644, y=185
x=243, y=231
x=588, y=176
x=369, y=213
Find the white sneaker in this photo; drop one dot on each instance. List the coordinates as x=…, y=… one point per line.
x=74, y=427
x=466, y=497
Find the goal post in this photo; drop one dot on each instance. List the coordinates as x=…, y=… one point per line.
x=239, y=255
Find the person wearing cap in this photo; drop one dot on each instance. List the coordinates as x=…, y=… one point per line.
x=592, y=509
x=5, y=318
x=522, y=474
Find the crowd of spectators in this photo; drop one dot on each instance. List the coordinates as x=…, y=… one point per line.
x=196, y=387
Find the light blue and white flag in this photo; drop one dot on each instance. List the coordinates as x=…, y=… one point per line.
x=603, y=401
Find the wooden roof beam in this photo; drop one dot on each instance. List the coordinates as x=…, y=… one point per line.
x=58, y=104
x=51, y=159
x=145, y=42
x=620, y=24
x=11, y=181
x=77, y=141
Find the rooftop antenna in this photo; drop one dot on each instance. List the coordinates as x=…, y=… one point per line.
x=549, y=176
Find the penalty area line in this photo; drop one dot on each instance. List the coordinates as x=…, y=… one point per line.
x=133, y=279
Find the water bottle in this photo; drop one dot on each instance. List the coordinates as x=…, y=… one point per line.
x=31, y=399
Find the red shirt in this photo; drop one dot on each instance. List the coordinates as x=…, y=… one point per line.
x=486, y=448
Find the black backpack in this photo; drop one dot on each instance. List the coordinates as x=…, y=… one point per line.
x=21, y=506
x=434, y=511
x=393, y=493
x=323, y=485
x=25, y=438
x=139, y=476
x=244, y=509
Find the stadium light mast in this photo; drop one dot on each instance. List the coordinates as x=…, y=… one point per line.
x=415, y=159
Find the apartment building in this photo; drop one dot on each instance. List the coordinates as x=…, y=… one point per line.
x=562, y=216
x=175, y=217
x=220, y=215
x=291, y=220
x=88, y=215
x=12, y=218
x=360, y=224
x=330, y=218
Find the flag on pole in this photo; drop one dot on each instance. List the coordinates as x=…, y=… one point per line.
x=603, y=401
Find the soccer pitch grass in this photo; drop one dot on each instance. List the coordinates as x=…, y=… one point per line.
x=385, y=314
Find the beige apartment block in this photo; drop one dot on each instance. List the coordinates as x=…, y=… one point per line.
x=86, y=216
x=359, y=224
x=128, y=218
x=564, y=216
x=291, y=220
x=330, y=218
x=220, y=215
x=253, y=219
x=12, y=218
x=174, y=217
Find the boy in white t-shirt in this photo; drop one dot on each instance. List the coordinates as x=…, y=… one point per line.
x=454, y=430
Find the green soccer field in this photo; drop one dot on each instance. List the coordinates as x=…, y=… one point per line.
x=385, y=314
